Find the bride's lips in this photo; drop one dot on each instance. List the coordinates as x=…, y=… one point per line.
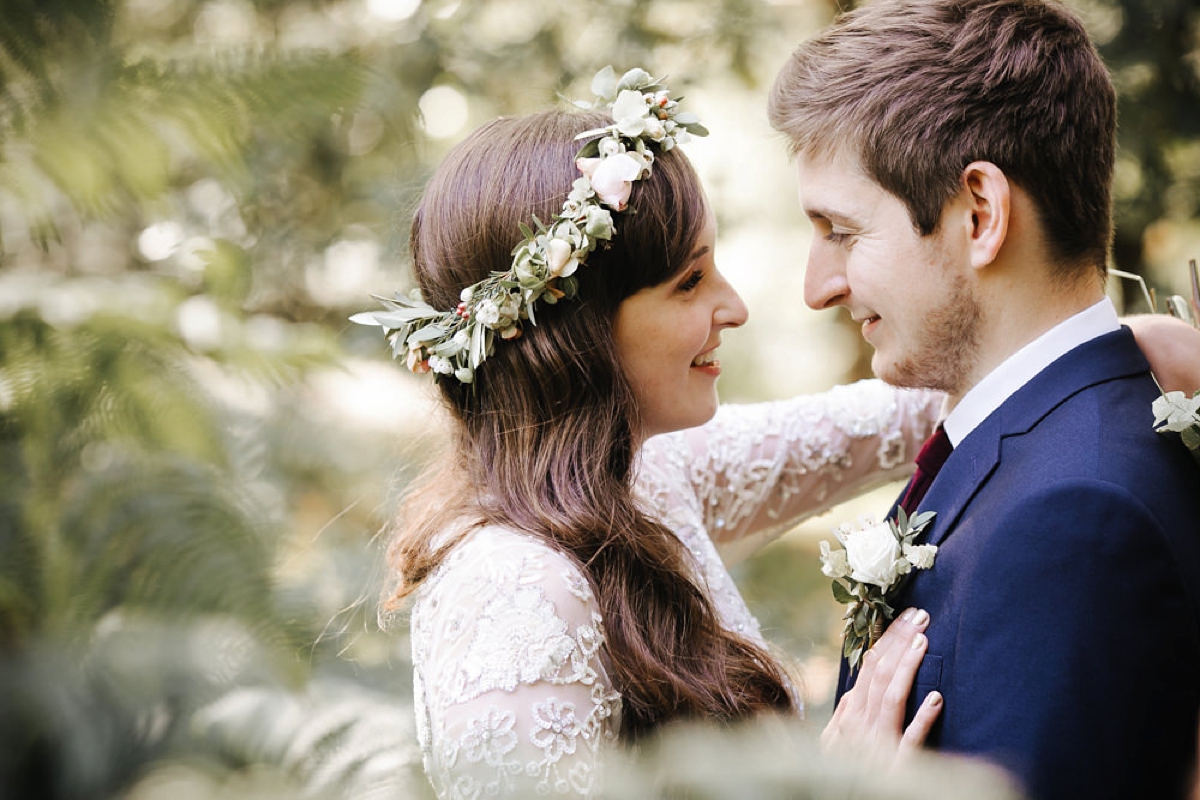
x=707, y=362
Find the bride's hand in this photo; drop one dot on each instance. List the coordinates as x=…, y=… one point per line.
x=871, y=715
x=1172, y=347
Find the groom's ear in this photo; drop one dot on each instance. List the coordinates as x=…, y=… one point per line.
x=988, y=197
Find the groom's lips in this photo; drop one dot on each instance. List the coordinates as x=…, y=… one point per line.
x=868, y=325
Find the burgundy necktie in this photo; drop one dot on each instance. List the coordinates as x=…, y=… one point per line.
x=934, y=452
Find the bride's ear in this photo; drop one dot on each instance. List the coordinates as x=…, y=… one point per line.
x=988, y=197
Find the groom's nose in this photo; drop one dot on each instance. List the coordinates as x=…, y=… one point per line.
x=825, y=283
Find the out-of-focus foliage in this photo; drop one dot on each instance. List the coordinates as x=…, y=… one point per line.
x=1152, y=48
x=774, y=760
x=196, y=449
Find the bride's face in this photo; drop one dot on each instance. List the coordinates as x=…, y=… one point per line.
x=667, y=337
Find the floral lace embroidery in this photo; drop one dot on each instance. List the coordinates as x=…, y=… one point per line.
x=511, y=690
x=510, y=678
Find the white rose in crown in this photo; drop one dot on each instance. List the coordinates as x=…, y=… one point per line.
x=560, y=258
x=868, y=571
x=612, y=178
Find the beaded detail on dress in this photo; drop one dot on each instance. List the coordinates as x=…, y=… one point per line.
x=512, y=690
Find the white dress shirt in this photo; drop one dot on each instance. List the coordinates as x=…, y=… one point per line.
x=1021, y=367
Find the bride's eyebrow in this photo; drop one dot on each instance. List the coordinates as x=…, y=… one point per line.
x=700, y=253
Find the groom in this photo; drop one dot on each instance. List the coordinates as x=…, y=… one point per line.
x=955, y=158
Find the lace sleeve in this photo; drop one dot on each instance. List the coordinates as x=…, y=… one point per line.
x=756, y=470
x=511, y=690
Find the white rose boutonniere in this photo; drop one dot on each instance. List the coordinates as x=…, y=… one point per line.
x=869, y=569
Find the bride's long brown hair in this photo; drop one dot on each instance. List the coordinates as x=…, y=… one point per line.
x=546, y=435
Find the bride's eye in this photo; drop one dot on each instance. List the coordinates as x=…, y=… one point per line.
x=691, y=281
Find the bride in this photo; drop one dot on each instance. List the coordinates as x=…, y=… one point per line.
x=568, y=561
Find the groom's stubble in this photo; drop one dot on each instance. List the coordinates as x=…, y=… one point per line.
x=945, y=353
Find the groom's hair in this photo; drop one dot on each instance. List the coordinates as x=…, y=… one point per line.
x=918, y=89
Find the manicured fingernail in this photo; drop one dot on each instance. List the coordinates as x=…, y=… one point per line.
x=918, y=641
x=934, y=699
x=920, y=617
x=907, y=615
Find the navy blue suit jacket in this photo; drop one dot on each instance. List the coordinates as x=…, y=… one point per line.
x=1065, y=597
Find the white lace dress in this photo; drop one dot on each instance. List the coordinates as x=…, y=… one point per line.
x=511, y=681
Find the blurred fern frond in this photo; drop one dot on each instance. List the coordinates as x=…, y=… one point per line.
x=85, y=127
x=336, y=739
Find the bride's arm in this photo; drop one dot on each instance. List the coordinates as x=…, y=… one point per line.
x=513, y=697
x=1172, y=348
x=756, y=470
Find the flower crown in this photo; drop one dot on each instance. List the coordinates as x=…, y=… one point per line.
x=456, y=342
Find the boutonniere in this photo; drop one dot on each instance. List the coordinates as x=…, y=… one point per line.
x=869, y=569
x=1175, y=412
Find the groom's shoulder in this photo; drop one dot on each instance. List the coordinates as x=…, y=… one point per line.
x=1104, y=432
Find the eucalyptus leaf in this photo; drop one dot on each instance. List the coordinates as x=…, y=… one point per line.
x=429, y=333
x=841, y=594
x=604, y=85
x=478, y=344
x=922, y=519
x=635, y=78
x=1191, y=437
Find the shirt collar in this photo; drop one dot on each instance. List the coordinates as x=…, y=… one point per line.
x=1021, y=367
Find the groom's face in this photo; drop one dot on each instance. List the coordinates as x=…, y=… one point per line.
x=910, y=293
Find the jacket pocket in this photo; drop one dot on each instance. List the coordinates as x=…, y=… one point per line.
x=929, y=675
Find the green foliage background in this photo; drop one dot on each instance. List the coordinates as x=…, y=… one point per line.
x=188, y=554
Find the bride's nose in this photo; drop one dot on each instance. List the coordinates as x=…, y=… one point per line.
x=731, y=311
